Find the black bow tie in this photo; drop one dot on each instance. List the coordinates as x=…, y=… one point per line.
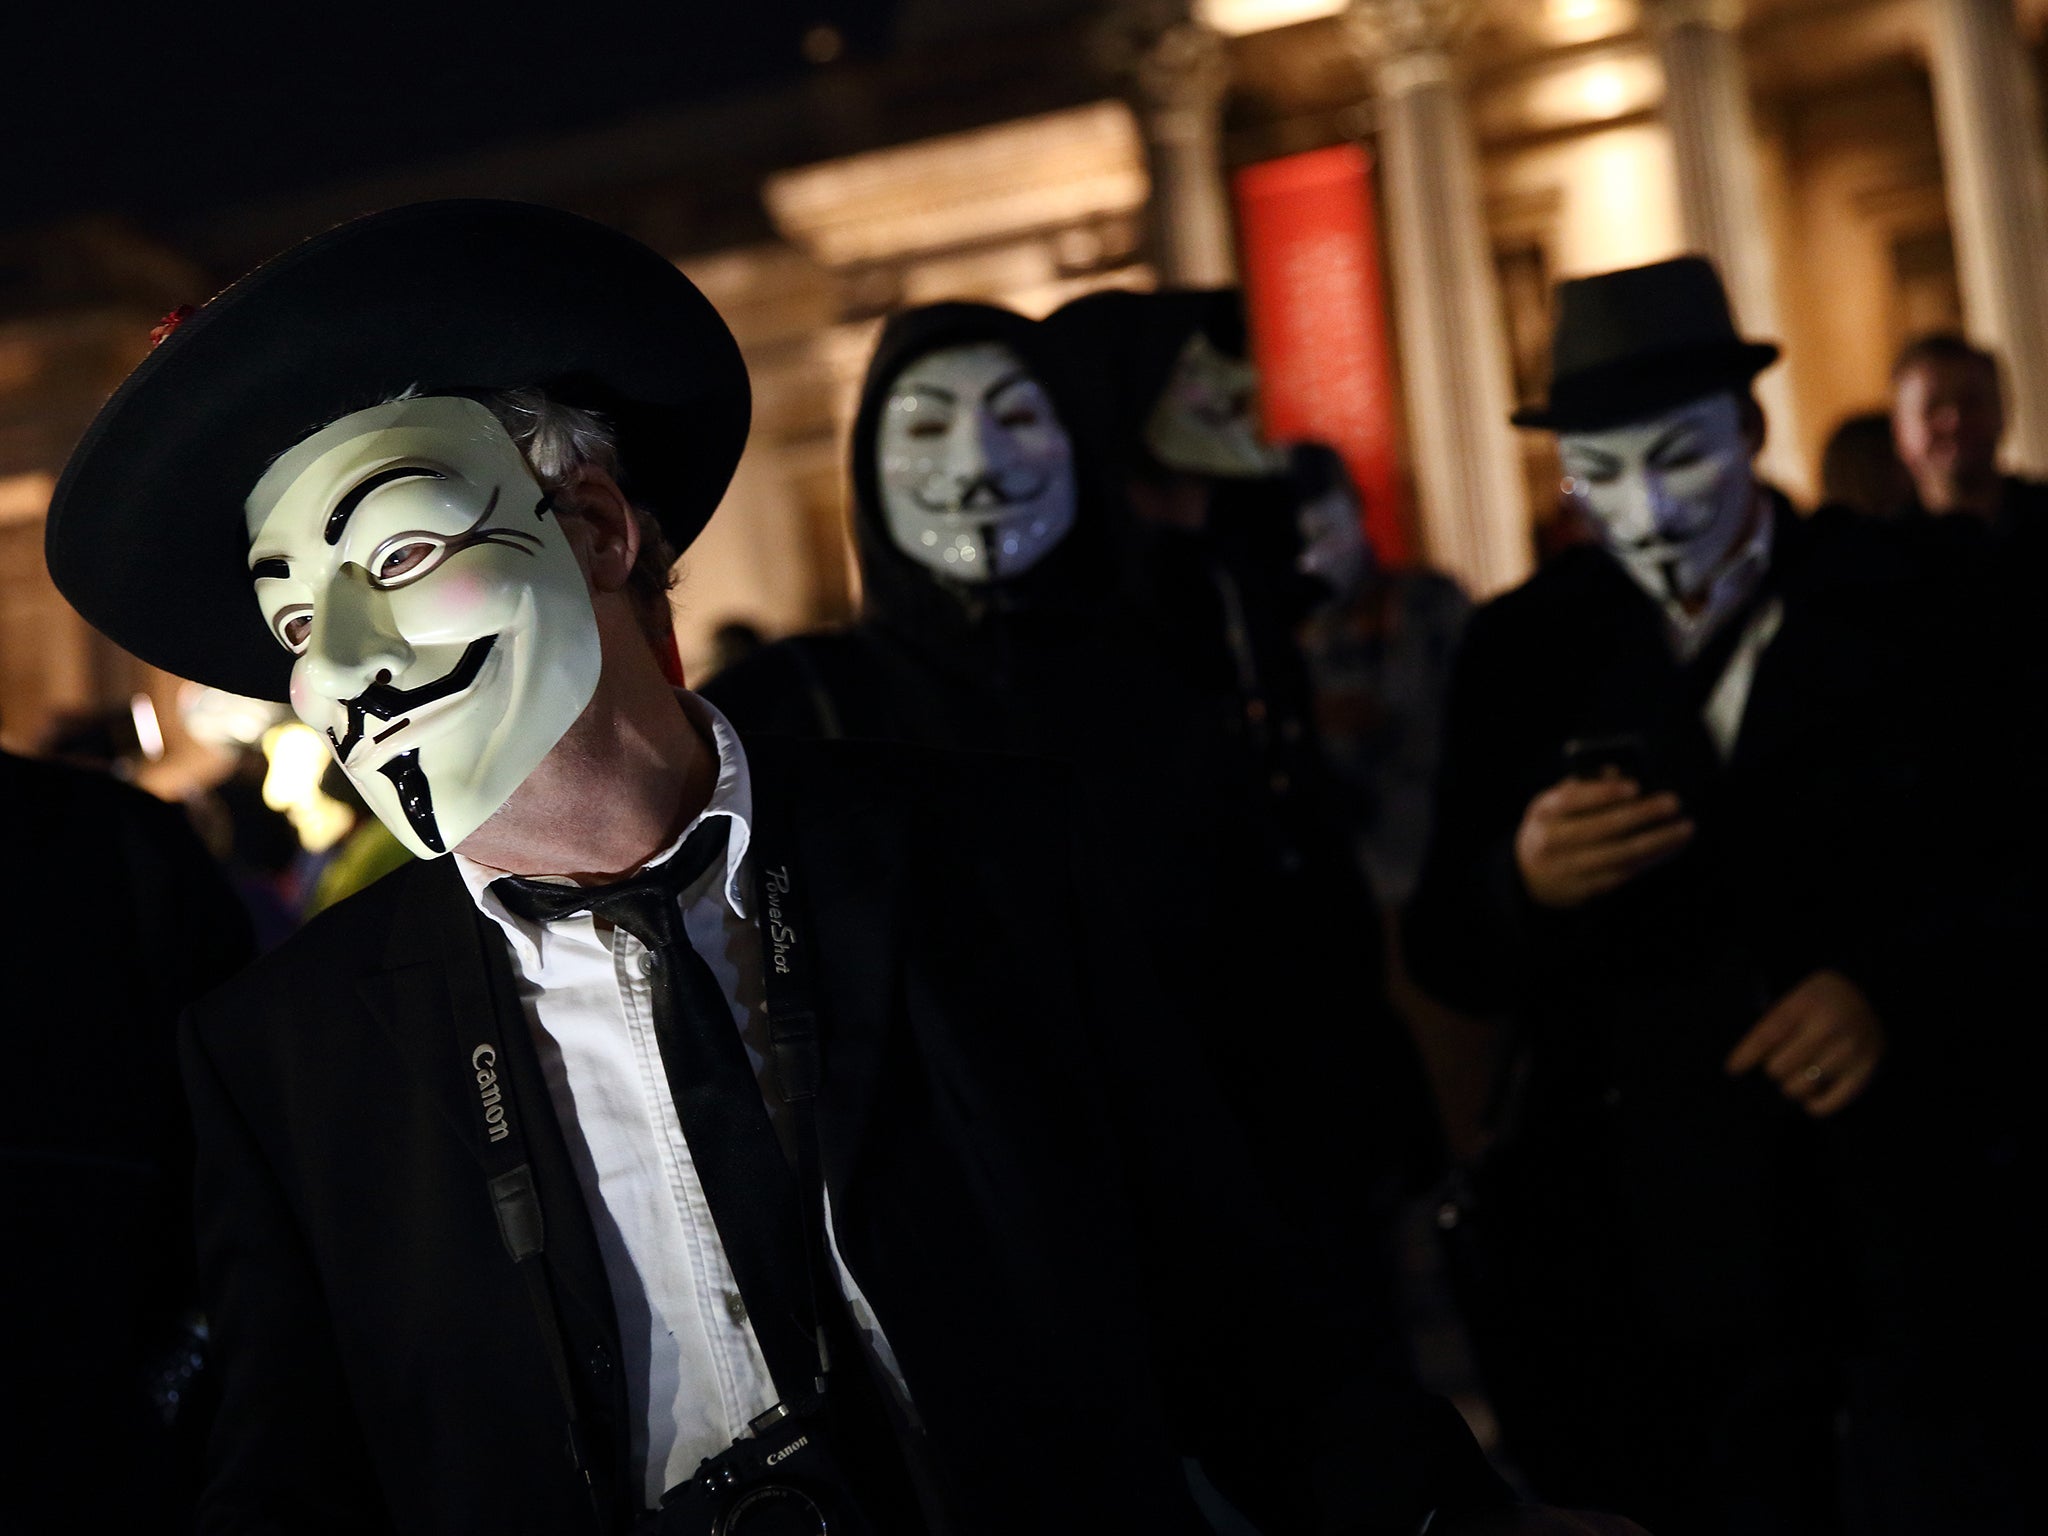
x=646, y=905
x=747, y=1179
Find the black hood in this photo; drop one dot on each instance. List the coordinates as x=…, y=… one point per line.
x=909, y=598
x=1122, y=346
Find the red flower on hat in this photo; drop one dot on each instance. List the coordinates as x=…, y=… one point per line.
x=161, y=331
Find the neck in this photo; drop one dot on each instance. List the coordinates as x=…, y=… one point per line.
x=628, y=776
x=1977, y=491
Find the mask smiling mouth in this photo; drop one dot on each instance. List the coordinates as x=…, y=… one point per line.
x=401, y=706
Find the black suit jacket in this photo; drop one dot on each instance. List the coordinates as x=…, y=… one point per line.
x=1696, y=1198
x=1039, y=1202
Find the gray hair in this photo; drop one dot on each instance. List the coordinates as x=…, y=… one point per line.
x=558, y=440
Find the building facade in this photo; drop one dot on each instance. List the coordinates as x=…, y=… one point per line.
x=1862, y=171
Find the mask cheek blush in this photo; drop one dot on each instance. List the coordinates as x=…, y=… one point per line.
x=304, y=701
x=459, y=598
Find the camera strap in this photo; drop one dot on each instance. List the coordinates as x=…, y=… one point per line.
x=515, y=1201
x=788, y=989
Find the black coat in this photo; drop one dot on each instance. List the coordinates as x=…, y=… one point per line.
x=115, y=919
x=1669, y=1258
x=1039, y=1204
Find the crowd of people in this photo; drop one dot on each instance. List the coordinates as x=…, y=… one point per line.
x=964, y=1071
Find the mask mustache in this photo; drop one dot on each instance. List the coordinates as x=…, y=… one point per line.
x=984, y=490
x=383, y=702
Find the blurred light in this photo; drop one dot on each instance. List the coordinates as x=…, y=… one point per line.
x=1235, y=18
x=1583, y=21
x=24, y=498
x=1575, y=93
x=149, y=731
x=216, y=718
x=822, y=44
x=298, y=759
x=1605, y=90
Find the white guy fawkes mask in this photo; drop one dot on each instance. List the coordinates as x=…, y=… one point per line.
x=1206, y=419
x=1670, y=495
x=977, y=474
x=445, y=635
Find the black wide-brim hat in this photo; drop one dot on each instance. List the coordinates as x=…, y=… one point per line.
x=1636, y=343
x=147, y=536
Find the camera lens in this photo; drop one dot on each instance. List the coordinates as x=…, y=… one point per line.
x=776, y=1510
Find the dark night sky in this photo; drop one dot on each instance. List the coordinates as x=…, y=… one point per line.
x=223, y=102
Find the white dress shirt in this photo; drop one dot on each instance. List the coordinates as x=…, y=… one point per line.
x=694, y=1371
x=1729, y=591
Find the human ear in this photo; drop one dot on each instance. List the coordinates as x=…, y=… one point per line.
x=599, y=524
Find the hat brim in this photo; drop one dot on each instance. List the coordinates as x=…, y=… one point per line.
x=146, y=533
x=1645, y=386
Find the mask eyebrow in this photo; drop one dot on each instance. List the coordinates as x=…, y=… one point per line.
x=337, y=520
x=930, y=389
x=1677, y=436
x=272, y=566
x=1007, y=382
x=1593, y=459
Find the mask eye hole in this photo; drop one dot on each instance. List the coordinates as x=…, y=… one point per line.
x=1016, y=418
x=405, y=558
x=926, y=427
x=294, y=627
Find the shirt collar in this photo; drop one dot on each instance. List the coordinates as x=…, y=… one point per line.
x=732, y=796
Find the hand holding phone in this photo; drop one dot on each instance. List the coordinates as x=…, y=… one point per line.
x=1598, y=827
x=1622, y=754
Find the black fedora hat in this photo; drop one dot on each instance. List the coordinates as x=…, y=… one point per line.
x=146, y=535
x=1635, y=343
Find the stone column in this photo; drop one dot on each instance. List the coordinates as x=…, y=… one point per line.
x=1996, y=165
x=1471, y=494
x=1182, y=75
x=1720, y=194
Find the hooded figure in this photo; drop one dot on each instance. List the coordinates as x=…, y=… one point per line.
x=1231, y=872
x=1039, y=661
x=938, y=634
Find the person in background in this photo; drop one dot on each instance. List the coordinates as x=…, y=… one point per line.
x=116, y=919
x=991, y=534
x=1679, y=844
x=1860, y=468
x=257, y=847
x=365, y=855
x=1948, y=417
x=1379, y=654
x=732, y=643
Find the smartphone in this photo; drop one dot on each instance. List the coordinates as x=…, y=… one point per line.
x=1625, y=752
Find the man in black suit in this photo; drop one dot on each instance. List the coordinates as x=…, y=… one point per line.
x=1676, y=842
x=800, y=1100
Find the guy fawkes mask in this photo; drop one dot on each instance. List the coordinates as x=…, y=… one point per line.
x=1206, y=419
x=976, y=472
x=1672, y=495
x=443, y=628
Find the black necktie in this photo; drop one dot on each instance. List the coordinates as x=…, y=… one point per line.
x=748, y=1182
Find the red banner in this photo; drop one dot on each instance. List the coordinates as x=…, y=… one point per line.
x=1309, y=250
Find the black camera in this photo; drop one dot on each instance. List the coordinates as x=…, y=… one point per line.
x=779, y=1479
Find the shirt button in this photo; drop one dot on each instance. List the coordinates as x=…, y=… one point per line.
x=736, y=1308
x=650, y=962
